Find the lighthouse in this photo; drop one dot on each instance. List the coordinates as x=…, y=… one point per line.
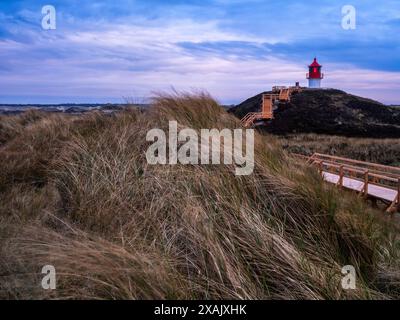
x=314, y=74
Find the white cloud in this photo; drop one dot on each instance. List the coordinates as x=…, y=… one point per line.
x=121, y=60
x=156, y=32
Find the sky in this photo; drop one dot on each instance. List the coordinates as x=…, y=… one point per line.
x=127, y=50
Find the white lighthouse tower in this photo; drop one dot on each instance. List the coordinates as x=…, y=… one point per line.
x=314, y=74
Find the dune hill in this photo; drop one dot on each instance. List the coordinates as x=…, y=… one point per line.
x=328, y=111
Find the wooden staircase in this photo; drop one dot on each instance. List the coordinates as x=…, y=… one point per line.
x=281, y=94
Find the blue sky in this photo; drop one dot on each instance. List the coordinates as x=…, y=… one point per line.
x=109, y=51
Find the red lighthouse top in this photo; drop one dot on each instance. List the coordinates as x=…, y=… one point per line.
x=315, y=70
x=315, y=63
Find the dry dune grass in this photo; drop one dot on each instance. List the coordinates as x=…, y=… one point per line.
x=384, y=151
x=77, y=193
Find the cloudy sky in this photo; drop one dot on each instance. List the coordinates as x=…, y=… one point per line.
x=106, y=51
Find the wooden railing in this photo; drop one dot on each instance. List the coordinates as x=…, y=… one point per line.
x=249, y=118
x=384, y=181
x=373, y=167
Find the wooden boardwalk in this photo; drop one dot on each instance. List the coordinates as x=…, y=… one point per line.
x=371, y=180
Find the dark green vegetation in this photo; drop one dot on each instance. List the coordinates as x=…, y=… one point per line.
x=328, y=111
x=76, y=192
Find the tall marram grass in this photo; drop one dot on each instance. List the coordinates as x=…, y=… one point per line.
x=384, y=151
x=76, y=192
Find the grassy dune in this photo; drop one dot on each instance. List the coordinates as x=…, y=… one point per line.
x=384, y=151
x=76, y=192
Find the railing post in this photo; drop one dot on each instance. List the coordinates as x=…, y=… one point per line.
x=398, y=194
x=366, y=179
x=341, y=174
x=320, y=168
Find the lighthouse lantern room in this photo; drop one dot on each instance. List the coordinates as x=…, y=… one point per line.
x=314, y=74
